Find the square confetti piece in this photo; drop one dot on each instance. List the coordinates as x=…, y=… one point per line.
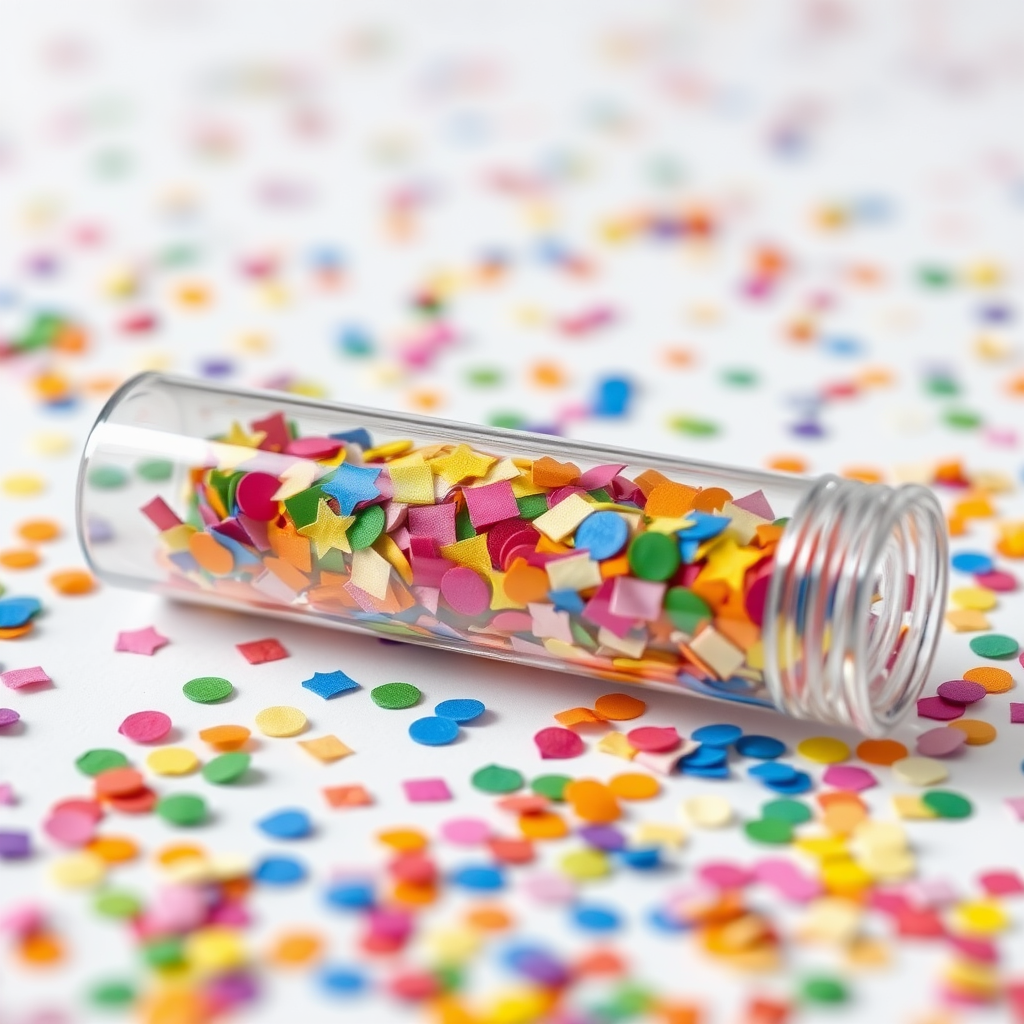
x=491, y=503
x=14, y=845
x=257, y=652
x=329, y=684
x=347, y=796
x=422, y=791
x=326, y=748
x=1016, y=713
x=16, y=678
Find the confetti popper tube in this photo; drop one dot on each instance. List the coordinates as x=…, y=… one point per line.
x=822, y=597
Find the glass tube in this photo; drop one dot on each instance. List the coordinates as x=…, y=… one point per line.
x=820, y=597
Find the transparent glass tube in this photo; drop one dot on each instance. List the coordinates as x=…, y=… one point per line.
x=822, y=598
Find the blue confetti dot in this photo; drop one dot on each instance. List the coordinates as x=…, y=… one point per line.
x=434, y=731
x=800, y=783
x=279, y=871
x=603, y=534
x=287, y=824
x=341, y=981
x=717, y=735
x=713, y=772
x=705, y=756
x=972, y=562
x=764, y=748
x=596, y=918
x=772, y=772
x=613, y=395
x=482, y=877
x=16, y=611
x=661, y=920
x=350, y=895
x=642, y=858
x=463, y=709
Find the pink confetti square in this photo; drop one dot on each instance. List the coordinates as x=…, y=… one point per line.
x=1016, y=713
x=436, y=522
x=1016, y=805
x=423, y=791
x=491, y=503
x=257, y=652
x=636, y=599
x=16, y=678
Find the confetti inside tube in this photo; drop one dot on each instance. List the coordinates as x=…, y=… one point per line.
x=821, y=597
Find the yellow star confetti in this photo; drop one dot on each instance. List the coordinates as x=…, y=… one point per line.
x=328, y=530
x=728, y=561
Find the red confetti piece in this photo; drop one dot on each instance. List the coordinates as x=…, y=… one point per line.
x=145, y=726
x=554, y=742
x=257, y=652
x=654, y=739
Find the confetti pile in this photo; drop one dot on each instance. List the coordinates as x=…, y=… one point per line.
x=782, y=239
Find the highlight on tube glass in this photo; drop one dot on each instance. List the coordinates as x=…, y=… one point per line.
x=820, y=597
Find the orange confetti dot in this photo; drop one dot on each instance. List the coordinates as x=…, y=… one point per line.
x=995, y=680
x=13, y=632
x=592, y=801
x=547, y=375
x=619, y=707
x=634, y=786
x=883, y=752
x=525, y=583
x=72, y=582
x=404, y=839
x=19, y=558
x=225, y=737
x=670, y=499
x=543, y=825
x=414, y=894
x=296, y=948
x=39, y=530
x=489, y=918
x=978, y=733
x=118, y=782
x=787, y=464
x=114, y=849
x=178, y=852
x=41, y=948
x=577, y=716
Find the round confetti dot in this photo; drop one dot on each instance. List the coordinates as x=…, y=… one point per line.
x=117, y=782
x=585, y=865
x=73, y=582
x=79, y=870
x=116, y=904
x=978, y=733
x=466, y=831
x=183, y=809
x=555, y=742
x=112, y=995
x=145, y=726
x=281, y=720
x=997, y=580
x=763, y=748
x=225, y=737
x=920, y=771
x=883, y=752
x=596, y=919
x=653, y=556
x=107, y=478
x=465, y=591
x=800, y=782
x=653, y=739
x=685, y=609
x=793, y=811
x=994, y=645
x=22, y=485
x=717, y=735
x=823, y=750
x=593, y=801
x=551, y=786
x=708, y=811
x=961, y=691
x=947, y=805
x=496, y=779
x=19, y=558
x=938, y=709
x=395, y=696
x=979, y=599
x=481, y=878
x=772, y=771
x=8, y=716
x=543, y=825
x=16, y=611
x=207, y=689
x=941, y=742
x=172, y=761
x=38, y=531
x=155, y=470
x=255, y=496
x=291, y=823
x=434, y=731
x=995, y=680
x=603, y=534
x=634, y=786
x=972, y=562
x=341, y=981
x=461, y=710
x=772, y=831
x=279, y=871
x=368, y=526
x=824, y=989
x=619, y=707
x=226, y=768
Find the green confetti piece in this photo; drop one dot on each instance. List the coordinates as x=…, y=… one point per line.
x=369, y=525
x=395, y=696
x=740, y=377
x=653, y=556
x=155, y=469
x=532, y=505
x=302, y=507
x=794, y=812
x=551, y=786
x=994, y=645
x=823, y=989
x=692, y=426
x=226, y=768
x=164, y=952
x=484, y=377
x=112, y=994
x=686, y=610
x=773, y=831
x=507, y=420
x=962, y=419
x=942, y=387
x=464, y=528
x=946, y=804
x=207, y=689
x=107, y=478
x=183, y=809
x=496, y=779
x=934, y=277
x=117, y=904
x=92, y=762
